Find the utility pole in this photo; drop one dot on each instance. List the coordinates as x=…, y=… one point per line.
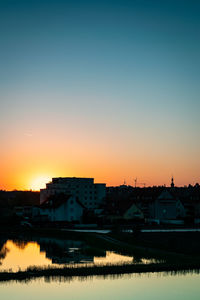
x=135, y=180
x=143, y=183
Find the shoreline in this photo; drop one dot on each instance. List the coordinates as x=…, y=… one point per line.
x=71, y=272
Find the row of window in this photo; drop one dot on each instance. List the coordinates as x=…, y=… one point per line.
x=90, y=203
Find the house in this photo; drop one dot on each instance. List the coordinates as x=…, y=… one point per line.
x=158, y=203
x=166, y=207
x=132, y=211
x=124, y=211
x=61, y=208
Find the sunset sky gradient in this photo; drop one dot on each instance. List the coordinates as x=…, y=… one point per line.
x=103, y=89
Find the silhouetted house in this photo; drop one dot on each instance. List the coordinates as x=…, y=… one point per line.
x=190, y=198
x=24, y=202
x=158, y=204
x=18, y=203
x=90, y=194
x=61, y=208
x=145, y=200
x=166, y=207
x=120, y=198
x=124, y=211
x=132, y=212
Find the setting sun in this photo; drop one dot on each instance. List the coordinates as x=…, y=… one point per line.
x=39, y=182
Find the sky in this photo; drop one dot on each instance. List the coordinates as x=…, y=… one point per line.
x=103, y=89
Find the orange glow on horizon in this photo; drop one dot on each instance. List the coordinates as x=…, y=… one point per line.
x=32, y=168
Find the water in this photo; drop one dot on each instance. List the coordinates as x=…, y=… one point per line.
x=89, y=230
x=165, y=230
x=54, y=252
x=18, y=255
x=101, y=231
x=128, y=287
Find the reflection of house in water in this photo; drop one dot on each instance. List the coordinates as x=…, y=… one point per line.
x=64, y=251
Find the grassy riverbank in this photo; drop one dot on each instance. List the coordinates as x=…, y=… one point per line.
x=97, y=271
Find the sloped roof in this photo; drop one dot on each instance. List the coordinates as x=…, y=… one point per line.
x=55, y=201
x=165, y=195
x=79, y=202
x=121, y=207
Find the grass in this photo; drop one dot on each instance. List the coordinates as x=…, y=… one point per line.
x=33, y=273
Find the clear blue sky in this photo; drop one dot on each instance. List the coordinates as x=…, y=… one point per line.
x=100, y=83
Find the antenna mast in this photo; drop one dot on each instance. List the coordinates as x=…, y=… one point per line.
x=135, y=180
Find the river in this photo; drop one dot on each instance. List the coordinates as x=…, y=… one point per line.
x=20, y=254
x=127, y=287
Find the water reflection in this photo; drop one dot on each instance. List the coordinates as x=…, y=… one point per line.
x=134, y=286
x=3, y=251
x=55, y=253
x=18, y=254
x=69, y=279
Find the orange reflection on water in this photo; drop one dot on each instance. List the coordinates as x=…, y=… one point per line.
x=21, y=256
x=113, y=258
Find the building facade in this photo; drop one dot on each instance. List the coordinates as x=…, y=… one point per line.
x=90, y=194
x=167, y=207
x=62, y=208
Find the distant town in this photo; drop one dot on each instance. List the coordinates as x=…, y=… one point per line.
x=78, y=202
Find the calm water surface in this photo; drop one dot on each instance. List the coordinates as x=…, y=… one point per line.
x=128, y=287
x=20, y=255
x=15, y=255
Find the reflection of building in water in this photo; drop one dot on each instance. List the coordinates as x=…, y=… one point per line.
x=43, y=251
x=113, y=258
x=76, y=258
x=64, y=251
x=77, y=252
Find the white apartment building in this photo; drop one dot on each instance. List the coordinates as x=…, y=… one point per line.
x=90, y=194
